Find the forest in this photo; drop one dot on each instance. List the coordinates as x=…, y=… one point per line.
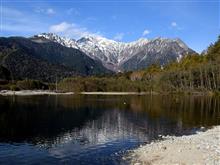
x=193, y=73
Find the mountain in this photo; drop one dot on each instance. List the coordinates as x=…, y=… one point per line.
x=126, y=56
x=39, y=58
x=158, y=51
x=47, y=57
x=70, y=43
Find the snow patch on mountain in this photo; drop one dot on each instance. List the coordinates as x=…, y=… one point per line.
x=113, y=54
x=67, y=42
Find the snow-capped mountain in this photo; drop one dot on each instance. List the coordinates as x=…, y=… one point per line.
x=126, y=56
x=70, y=43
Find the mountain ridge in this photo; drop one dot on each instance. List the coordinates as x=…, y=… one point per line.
x=116, y=55
x=45, y=60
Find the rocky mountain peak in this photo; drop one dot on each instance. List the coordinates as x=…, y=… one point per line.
x=67, y=42
x=114, y=54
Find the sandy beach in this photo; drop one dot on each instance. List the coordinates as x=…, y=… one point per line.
x=198, y=149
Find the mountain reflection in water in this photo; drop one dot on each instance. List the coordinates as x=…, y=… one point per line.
x=84, y=129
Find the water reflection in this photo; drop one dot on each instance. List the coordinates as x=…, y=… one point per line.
x=84, y=129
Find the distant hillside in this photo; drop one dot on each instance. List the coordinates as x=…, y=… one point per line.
x=26, y=58
x=4, y=74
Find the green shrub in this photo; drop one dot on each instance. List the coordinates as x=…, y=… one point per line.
x=13, y=87
x=31, y=85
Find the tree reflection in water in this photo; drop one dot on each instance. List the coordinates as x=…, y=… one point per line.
x=72, y=126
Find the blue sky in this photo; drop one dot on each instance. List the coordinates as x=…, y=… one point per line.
x=196, y=22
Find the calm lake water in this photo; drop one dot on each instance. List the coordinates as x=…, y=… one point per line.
x=94, y=129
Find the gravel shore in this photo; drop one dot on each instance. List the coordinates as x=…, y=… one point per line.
x=114, y=93
x=198, y=149
x=45, y=92
x=31, y=93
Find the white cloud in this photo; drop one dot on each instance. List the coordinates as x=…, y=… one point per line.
x=72, y=11
x=48, y=11
x=146, y=32
x=118, y=36
x=62, y=27
x=23, y=23
x=174, y=24
x=71, y=30
x=19, y=22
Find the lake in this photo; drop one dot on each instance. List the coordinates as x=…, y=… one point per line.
x=92, y=129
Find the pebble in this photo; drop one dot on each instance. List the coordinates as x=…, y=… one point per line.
x=164, y=147
x=137, y=163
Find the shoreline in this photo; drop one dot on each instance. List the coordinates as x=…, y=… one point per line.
x=47, y=92
x=51, y=92
x=199, y=148
x=32, y=93
x=114, y=93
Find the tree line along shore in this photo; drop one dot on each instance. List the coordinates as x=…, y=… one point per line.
x=193, y=73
